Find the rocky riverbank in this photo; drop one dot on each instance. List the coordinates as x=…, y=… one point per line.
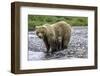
x=77, y=48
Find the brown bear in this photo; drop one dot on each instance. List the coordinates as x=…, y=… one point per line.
x=55, y=36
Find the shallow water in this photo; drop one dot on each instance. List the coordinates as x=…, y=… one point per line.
x=77, y=48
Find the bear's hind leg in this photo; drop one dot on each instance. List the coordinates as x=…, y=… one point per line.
x=59, y=43
x=62, y=45
x=65, y=42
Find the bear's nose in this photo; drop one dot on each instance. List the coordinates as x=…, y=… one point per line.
x=39, y=36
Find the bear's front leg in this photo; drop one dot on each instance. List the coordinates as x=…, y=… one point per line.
x=53, y=47
x=53, y=50
x=48, y=48
x=47, y=45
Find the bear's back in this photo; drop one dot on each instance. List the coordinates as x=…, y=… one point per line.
x=61, y=27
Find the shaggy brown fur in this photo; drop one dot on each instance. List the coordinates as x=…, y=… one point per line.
x=56, y=36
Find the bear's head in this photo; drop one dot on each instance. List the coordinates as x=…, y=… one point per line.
x=41, y=31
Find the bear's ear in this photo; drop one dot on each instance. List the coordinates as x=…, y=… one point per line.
x=36, y=27
x=46, y=24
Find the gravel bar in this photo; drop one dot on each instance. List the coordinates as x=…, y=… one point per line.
x=77, y=47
